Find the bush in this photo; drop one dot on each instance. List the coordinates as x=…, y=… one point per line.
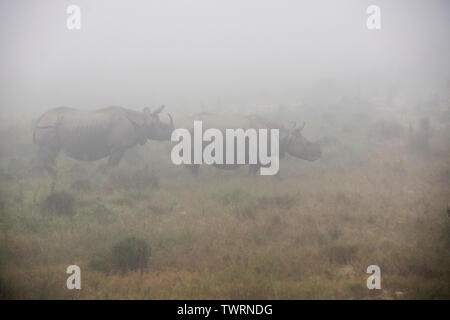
x=130, y=254
x=61, y=203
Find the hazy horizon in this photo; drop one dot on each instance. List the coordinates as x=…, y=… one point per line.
x=204, y=54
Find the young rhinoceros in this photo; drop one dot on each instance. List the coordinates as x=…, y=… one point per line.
x=291, y=140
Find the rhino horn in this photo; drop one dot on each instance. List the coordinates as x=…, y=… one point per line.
x=171, y=121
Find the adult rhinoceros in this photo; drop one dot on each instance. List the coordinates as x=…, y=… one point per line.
x=291, y=140
x=93, y=135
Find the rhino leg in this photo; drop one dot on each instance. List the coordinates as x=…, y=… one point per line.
x=113, y=161
x=115, y=157
x=45, y=159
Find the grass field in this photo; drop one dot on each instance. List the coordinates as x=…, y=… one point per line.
x=309, y=233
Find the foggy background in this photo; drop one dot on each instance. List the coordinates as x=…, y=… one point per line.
x=376, y=102
x=220, y=55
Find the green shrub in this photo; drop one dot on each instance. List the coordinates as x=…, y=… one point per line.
x=130, y=254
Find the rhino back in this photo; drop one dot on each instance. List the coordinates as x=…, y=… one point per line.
x=88, y=135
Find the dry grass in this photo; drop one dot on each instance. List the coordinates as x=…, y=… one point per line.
x=308, y=234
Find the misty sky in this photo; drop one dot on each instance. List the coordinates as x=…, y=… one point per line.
x=193, y=53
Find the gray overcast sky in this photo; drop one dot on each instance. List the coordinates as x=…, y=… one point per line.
x=185, y=53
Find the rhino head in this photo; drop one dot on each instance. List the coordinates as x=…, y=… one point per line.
x=154, y=128
x=298, y=146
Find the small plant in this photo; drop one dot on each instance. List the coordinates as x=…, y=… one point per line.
x=60, y=203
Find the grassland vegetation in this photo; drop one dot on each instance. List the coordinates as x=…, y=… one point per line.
x=151, y=230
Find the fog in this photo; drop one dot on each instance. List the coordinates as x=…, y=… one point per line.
x=360, y=151
x=220, y=55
